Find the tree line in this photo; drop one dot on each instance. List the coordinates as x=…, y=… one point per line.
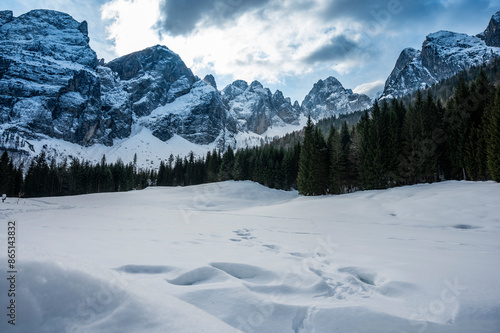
x=275, y=167
x=395, y=143
x=271, y=166
x=69, y=177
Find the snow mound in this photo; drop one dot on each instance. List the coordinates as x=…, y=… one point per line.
x=54, y=299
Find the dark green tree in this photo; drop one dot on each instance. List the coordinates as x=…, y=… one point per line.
x=493, y=138
x=310, y=180
x=227, y=165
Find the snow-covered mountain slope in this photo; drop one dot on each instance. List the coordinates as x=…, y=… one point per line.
x=443, y=54
x=240, y=257
x=328, y=98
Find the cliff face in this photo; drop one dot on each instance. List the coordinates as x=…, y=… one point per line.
x=155, y=89
x=51, y=86
x=48, y=80
x=255, y=108
x=491, y=35
x=443, y=54
x=328, y=98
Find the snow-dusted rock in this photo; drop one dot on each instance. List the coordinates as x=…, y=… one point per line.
x=52, y=86
x=443, y=54
x=48, y=82
x=491, y=35
x=255, y=108
x=328, y=98
x=152, y=77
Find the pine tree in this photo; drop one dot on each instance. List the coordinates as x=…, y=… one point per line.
x=373, y=143
x=475, y=146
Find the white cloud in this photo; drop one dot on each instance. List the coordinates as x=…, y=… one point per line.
x=267, y=44
x=131, y=24
x=270, y=43
x=371, y=89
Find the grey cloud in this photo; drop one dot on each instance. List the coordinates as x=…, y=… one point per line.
x=376, y=10
x=339, y=49
x=394, y=14
x=180, y=17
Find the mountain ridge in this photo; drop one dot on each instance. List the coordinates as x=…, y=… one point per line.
x=443, y=54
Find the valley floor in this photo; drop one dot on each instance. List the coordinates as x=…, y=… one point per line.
x=236, y=256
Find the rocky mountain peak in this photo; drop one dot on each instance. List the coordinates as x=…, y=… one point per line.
x=47, y=33
x=443, y=54
x=255, y=108
x=234, y=89
x=157, y=59
x=210, y=80
x=491, y=35
x=48, y=81
x=328, y=97
x=256, y=85
x=152, y=77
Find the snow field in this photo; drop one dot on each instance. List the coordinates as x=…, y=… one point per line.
x=236, y=256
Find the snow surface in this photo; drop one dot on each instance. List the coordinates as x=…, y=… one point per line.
x=236, y=256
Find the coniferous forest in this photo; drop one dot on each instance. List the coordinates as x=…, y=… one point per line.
x=417, y=139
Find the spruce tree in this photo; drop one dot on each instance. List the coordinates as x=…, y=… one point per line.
x=335, y=186
x=493, y=138
x=457, y=119
x=308, y=179
x=5, y=174
x=227, y=165
x=321, y=155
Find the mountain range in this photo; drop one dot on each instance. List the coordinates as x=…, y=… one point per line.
x=56, y=95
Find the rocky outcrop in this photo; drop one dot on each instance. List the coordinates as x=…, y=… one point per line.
x=200, y=117
x=152, y=77
x=328, y=98
x=48, y=80
x=255, y=108
x=491, y=35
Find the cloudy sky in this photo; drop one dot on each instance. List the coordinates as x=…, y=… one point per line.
x=285, y=44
